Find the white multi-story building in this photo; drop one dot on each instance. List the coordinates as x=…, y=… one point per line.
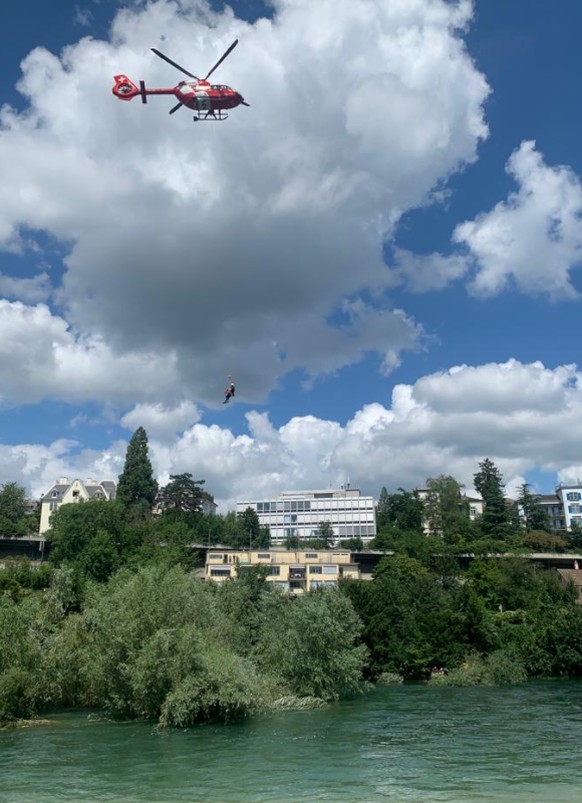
x=564, y=508
x=299, y=514
x=571, y=499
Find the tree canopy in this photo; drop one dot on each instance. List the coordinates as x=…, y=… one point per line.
x=14, y=519
x=137, y=485
x=183, y=493
x=496, y=521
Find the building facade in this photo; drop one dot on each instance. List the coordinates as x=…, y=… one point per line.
x=64, y=492
x=564, y=508
x=299, y=514
x=295, y=571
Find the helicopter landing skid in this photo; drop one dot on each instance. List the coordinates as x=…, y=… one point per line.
x=211, y=116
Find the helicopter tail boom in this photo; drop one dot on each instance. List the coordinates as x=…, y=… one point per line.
x=125, y=89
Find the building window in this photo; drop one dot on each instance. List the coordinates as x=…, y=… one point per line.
x=573, y=496
x=219, y=572
x=330, y=569
x=311, y=554
x=76, y=494
x=274, y=571
x=55, y=494
x=264, y=556
x=215, y=556
x=574, y=508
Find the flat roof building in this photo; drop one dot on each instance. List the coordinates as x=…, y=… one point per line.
x=299, y=514
x=294, y=571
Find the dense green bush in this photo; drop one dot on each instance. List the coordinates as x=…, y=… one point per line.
x=497, y=669
x=159, y=644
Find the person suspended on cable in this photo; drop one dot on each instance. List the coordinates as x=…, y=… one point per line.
x=229, y=391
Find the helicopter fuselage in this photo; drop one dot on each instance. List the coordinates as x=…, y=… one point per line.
x=209, y=100
x=201, y=96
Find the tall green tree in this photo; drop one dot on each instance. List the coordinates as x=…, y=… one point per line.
x=535, y=515
x=184, y=493
x=12, y=510
x=383, y=510
x=408, y=621
x=446, y=511
x=406, y=511
x=495, y=521
x=325, y=534
x=137, y=485
x=75, y=527
x=403, y=510
x=253, y=534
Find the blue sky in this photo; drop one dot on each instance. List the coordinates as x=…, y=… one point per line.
x=383, y=249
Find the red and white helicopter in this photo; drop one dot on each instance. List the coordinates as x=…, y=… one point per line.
x=209, y=101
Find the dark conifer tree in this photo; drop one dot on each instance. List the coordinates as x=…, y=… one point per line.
x=184, y=493
x=137, y=484
x=383, y=510
x=536, y=517
x=495, y=521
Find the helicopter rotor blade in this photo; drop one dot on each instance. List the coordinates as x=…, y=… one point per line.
x=222, y=58
x=175, y=108
x=173, y=63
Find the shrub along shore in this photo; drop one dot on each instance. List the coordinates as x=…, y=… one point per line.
x=155, y=643
x=118, y=622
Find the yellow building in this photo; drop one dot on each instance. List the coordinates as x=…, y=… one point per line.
x=64, y=492
x=289, y=570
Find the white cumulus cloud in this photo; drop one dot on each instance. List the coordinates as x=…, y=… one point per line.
x=233, y=248
x=525, y=417
x=534, y=238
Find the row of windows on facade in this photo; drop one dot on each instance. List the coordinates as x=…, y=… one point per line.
x=300, y=506
x=275, y=571
x=76, y=495
x=293, y=518
x=341, y=531
x=267, y=556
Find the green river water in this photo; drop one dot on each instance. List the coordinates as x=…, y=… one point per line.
x=402, y=744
